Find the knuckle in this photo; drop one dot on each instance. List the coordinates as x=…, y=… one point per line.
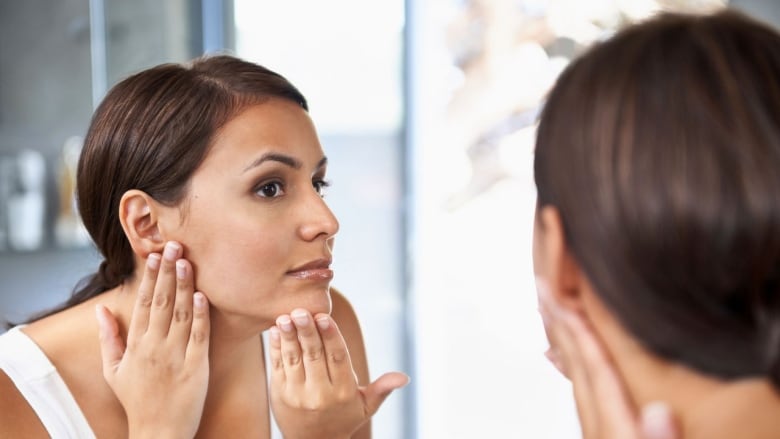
x=181, y=315
x=276, y=363
x=314, y=400
x=182, y=284
x=344, y=395
x=161, y=300
x=145, y=299
x=198, y=336
x=338, y=355
x=292, y=359
x=313, y=355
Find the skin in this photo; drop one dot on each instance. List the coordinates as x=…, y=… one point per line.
x=617, y=383
x=253, y=215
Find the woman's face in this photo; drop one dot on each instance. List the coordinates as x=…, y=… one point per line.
x=254, y=224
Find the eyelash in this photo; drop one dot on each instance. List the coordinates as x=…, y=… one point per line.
x=319, y=185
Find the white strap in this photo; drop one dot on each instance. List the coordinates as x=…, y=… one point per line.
x=40, y=384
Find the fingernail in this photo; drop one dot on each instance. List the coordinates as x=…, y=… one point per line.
x=657, y=420
x=199, y=300
x=153, y=261
x=323, y=323
x=171, y=251
x=285, y=323
x=273, y=332
x=555, y=359
x=181, y=269
x=300, y=317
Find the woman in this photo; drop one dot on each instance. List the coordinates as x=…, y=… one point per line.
x=207, y=176
x=657, y=234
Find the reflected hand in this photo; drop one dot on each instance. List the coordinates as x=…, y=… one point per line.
x=605, y=410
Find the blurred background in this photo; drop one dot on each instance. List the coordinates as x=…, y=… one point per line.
x=426, y=110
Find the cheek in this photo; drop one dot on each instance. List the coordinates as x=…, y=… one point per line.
x=237, y=263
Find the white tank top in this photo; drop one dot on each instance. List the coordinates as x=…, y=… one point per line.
x=41, y=385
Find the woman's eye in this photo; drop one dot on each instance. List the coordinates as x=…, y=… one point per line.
x=321, y=187
x=270, y=190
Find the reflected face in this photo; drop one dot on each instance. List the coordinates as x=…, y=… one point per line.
x=255, y=226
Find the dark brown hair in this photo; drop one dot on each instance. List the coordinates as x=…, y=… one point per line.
x=150, y=133
x=660, y=147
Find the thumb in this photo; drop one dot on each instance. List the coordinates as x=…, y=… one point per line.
x=376, y=392
x=111, y=345
x=657, y=422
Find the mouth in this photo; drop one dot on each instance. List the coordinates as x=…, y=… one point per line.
x=318, y=269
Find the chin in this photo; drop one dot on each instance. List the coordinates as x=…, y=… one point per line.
x=316, y=300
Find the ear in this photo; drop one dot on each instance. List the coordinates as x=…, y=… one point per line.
x=554, y=262
x=138, y=213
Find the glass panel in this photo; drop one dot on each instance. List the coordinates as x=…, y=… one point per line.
x=480, y=71
x=345, y=56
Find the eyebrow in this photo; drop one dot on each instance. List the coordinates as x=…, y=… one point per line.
x=284, y=159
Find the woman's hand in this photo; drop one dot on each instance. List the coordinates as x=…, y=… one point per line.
x=314, y=392
x=162, y=375
x=603, y=405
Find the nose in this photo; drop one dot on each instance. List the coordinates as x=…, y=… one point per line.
x=318, y=220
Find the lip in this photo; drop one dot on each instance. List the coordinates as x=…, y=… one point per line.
x=318, y=269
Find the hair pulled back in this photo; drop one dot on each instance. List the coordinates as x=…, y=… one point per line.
x=661, y=149
x=151, y=132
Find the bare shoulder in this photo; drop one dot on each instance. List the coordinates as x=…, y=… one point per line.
x=17, y=418
x=347, y=321
x=342, y=309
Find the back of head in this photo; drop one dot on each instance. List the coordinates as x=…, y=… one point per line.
x=661, y=149
x=151, y=132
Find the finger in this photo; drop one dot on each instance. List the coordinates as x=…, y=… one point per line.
x=614, y=412
x=315, y=367
x=336, y=352
x=291, y=352
x=376, y=392
x=111, y=346
x=164, y=291
x=657, y=422
x=275, y=354
x=181, y=323
x=200, y=332
x=143, y=301
x=573, y=367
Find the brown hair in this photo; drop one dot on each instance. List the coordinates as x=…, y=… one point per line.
x=660, y=147
x=150, y=133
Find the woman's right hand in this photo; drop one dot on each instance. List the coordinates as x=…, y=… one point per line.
x=161, y=377
x=603, y=405
x=314, y=391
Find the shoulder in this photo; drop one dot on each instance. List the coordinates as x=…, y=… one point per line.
x=347, y=320
x=17, y=418
x=341, y=306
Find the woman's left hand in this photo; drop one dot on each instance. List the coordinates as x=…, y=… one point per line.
x=603, y=405
x=314, y=392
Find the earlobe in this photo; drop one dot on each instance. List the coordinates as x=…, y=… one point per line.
x=561, y=272
x=138, y=213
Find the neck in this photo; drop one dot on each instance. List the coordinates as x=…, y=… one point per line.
x=233, y=343
x=705, y=406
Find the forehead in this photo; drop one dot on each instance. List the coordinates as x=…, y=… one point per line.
x=276, y=125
